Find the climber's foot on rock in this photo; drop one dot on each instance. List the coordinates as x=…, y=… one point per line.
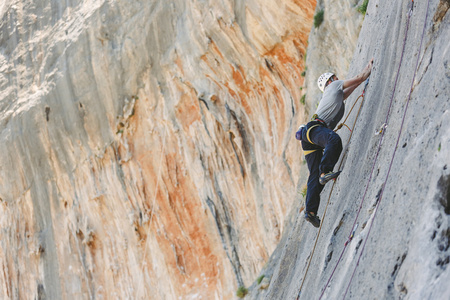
x=312, y=218
x=324, y=178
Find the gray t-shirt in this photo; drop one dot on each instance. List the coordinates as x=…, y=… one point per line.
x=331, y=107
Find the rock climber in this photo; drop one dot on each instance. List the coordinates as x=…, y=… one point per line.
x=321, y=145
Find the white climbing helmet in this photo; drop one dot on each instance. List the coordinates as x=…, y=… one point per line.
x=322, y=81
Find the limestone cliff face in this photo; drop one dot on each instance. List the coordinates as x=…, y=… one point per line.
x=331, y=45
x=147, y=146
x=393, y=196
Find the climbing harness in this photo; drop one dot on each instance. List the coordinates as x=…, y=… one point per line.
x=308, y=132
x=319, y=122
x=315, y=122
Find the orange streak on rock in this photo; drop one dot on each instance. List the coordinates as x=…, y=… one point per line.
x=187, y=111
x=185, y=236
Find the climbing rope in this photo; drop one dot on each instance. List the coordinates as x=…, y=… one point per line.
x=373, y=167
x=395, y=149
x=340, y=165
x=360, y=97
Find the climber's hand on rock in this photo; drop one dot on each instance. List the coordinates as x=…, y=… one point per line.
x=368, y=69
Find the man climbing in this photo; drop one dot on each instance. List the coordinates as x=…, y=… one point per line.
x=321, y=145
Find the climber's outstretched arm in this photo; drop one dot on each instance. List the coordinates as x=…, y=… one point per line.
x=351, y=84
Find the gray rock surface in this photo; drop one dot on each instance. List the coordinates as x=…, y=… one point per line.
x=400, y=249
x=331, y=45
x=148, y=150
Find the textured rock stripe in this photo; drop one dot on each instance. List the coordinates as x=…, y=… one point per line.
x=148, y=147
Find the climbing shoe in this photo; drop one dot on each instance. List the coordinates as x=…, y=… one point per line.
x=313, y=219
x=327, y=177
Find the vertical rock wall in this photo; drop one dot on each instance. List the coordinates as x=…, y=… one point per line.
x=393, y=193
x=147, y=148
